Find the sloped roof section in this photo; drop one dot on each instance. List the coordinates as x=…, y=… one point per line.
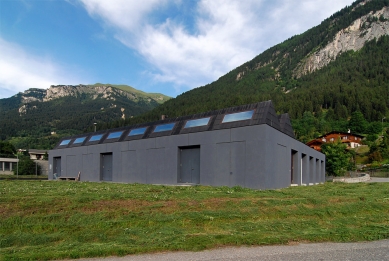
x=234, y=117
x=286, y=125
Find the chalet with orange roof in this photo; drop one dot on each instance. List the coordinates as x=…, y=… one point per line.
x=351, y=139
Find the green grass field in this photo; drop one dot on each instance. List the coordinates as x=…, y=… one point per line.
x=42, y=220
x=24, y=177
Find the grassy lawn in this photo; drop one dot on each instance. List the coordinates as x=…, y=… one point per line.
x=41, y=220
x=24, y=177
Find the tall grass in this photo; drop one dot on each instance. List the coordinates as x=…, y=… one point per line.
x=42, y=220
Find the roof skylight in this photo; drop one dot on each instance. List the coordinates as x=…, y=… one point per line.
x=197, y=123
x=96, y=137
x=164, y=127
x=115, y=135
x=79, y=140
x=138, y=131
x=239, y=116
x=64, y=142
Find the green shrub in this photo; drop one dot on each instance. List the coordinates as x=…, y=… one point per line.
x=28, y=167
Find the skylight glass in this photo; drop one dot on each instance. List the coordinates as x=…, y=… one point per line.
x=138, y=131
x=115, y=135
x=64, y=142
x=79, y=140
x=197, y=123
x=164, y=127
x=96, y=137
x=239, y=116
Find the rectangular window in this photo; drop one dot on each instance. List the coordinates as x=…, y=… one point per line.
x=239, y=116
x=115, y=135
x=197, y=123
x=138, y=131
x=96, y=137
x=79, y=140
x=64, y=142
x=7, y=166
x=164, y=127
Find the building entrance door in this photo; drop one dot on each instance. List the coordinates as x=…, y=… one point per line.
x=106, y=167
x=189, y=165
x=57, y=167
x=293, y=172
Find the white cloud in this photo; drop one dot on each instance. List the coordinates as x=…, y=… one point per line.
x=124, y=14
x=21, y=70
x=225, y=33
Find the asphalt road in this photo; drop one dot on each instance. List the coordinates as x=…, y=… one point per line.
x=363, y=251
x=378, y=180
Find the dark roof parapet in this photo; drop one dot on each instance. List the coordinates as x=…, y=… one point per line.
x=249, y=114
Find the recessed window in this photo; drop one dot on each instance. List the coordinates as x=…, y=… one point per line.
x=79, y=140
x=138, y=131
x=96, y=137
x=115, y=135
x=164, y=127
x=197, y=123
x=240, y=116
x=64, y=142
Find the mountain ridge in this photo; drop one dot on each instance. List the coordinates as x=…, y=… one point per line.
x=70, y=109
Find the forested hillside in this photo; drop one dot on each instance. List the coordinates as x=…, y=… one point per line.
x=37, y=118
x=318, y=101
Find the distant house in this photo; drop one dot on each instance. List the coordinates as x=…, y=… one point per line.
x=7, y=165
x=38, y=157
x=37, y=154
x=352, y=140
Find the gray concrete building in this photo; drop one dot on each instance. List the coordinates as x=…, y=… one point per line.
x=248, y=146
x=8, y=166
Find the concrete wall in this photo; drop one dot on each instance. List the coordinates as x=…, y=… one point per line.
x=44, y=164
x=257, y=156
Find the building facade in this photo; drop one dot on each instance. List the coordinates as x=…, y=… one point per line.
x=8, y=166
x=248, y=146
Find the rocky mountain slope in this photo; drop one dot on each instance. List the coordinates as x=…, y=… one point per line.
x=65, y=109
x=367, y=28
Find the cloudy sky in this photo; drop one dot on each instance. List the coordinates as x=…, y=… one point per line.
x=167, y=46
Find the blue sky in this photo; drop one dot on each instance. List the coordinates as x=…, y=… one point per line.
x=152, y=45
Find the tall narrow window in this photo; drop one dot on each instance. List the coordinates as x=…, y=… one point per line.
x=239, y=116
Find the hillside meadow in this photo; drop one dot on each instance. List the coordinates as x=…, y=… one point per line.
x=45, y=220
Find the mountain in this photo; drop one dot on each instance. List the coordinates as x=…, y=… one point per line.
x=67, y=109
x=328, y=72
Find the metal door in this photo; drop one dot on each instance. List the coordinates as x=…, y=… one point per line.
x=237, y=164
x=106, y=167
x=57, y=166
x=189, y=165
x=231, y=164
